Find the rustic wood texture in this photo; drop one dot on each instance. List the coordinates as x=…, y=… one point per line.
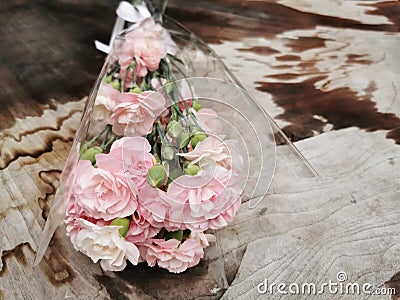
x=327, y=71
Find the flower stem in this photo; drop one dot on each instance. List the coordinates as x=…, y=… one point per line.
x=99, y=135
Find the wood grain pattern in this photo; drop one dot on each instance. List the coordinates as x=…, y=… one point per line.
x=327, y=71
x=336, y=65
x=45, y=58
x=310, y=230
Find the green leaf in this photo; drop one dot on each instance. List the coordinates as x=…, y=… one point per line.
x=177, y=235
x=124, y=222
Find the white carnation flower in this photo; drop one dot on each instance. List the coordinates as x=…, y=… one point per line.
x=213, y=150
x=106, y=244
x=106, y=101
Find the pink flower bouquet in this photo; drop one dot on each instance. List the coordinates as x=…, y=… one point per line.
x=155, y=171
x=167, y=150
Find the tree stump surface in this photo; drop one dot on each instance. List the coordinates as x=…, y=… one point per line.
x=326, y=71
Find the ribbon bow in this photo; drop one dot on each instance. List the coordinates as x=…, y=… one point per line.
x=126, y=12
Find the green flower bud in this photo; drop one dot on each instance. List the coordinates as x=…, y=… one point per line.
x=108, y=79
x=124, y=222
x=115, y=84
x=196, y=130
x=174, y=129
x=183, y=139
x=186, y=164
x=191, y=169
x=135, y=90
x=167, y=153
x=196, y=105
x=197, y=137
x=156, y=176
x=177, y=235
x=90, y=153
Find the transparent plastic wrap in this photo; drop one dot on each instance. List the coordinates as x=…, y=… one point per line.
x=157, y=125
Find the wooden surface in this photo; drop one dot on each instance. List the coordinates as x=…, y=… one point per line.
x=327, y=71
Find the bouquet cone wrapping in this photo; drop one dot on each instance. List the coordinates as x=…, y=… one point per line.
x=168, y=149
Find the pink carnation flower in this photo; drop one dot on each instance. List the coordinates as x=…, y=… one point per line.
x=140, y=230
x=155, y=208
x=172, y=255
x=129, y=157
x=205, y=201
x=146, y=46
x=136, y=113
x=102, y=194
x=73, y=213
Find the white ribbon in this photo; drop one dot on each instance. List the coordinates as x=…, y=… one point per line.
x=126, y=12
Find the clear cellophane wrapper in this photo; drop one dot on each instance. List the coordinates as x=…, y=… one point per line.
x=198, y=73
